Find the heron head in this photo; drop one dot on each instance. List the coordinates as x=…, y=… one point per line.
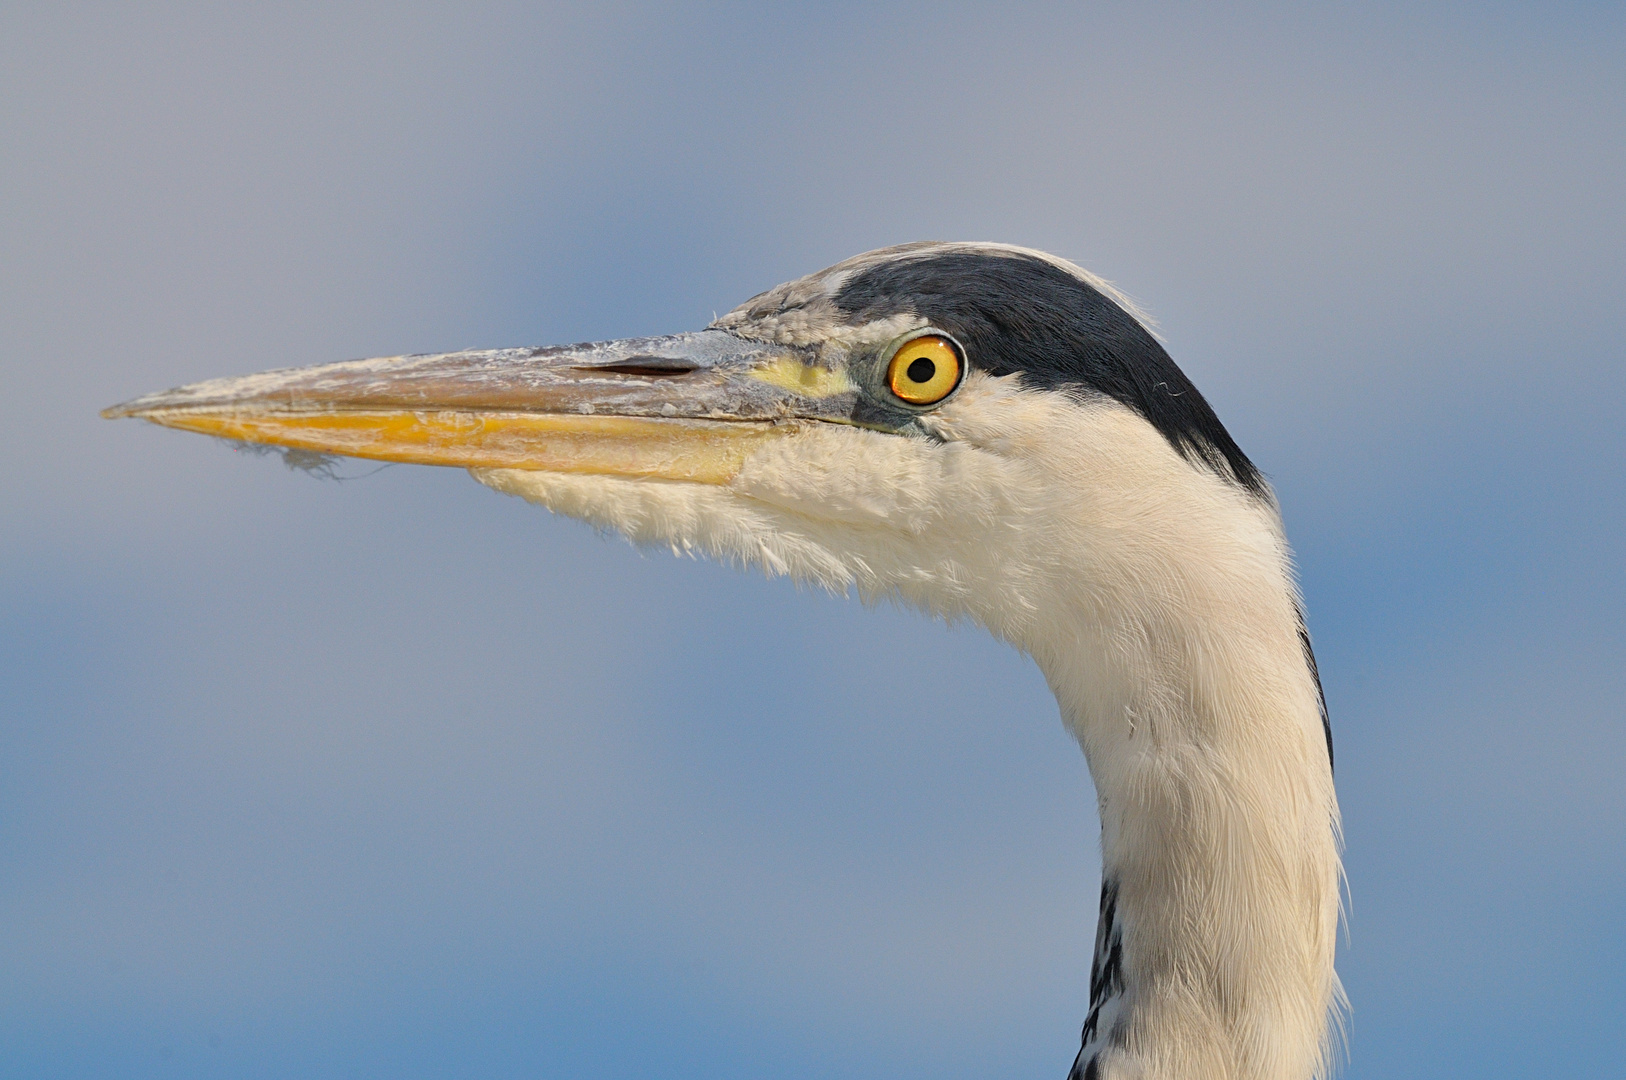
x=987, y=433
x=922, y=421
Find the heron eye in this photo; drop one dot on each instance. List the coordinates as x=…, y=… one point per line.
x=924, y=370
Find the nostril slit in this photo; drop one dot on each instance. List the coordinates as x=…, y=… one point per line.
x=648, y=365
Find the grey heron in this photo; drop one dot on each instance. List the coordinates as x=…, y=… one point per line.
x=982, y=432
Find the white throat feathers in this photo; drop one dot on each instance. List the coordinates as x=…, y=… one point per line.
x=1158, y=598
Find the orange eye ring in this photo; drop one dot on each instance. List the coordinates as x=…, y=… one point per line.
x=925, y=370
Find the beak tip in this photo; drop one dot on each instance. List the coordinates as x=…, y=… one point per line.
x=135, y=408
x=138, y=408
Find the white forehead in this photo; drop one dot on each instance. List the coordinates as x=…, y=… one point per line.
x=804, y=311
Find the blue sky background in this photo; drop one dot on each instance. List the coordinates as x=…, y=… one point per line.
x=396, y=777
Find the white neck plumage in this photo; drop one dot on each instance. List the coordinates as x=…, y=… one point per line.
x=1186, y=678
x=1159, y=601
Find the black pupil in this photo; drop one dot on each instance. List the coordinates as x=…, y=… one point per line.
x=922, y=370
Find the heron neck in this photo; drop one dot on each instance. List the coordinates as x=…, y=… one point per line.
x=1189, y=688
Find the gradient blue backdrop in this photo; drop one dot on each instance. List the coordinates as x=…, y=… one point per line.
x=395, y=777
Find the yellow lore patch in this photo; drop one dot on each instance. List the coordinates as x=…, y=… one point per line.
x=805, y=380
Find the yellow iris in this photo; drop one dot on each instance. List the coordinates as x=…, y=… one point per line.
x=924, y=370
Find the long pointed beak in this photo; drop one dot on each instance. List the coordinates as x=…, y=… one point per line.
x=685, y=407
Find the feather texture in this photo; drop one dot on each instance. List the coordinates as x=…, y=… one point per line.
x=1159, y=601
